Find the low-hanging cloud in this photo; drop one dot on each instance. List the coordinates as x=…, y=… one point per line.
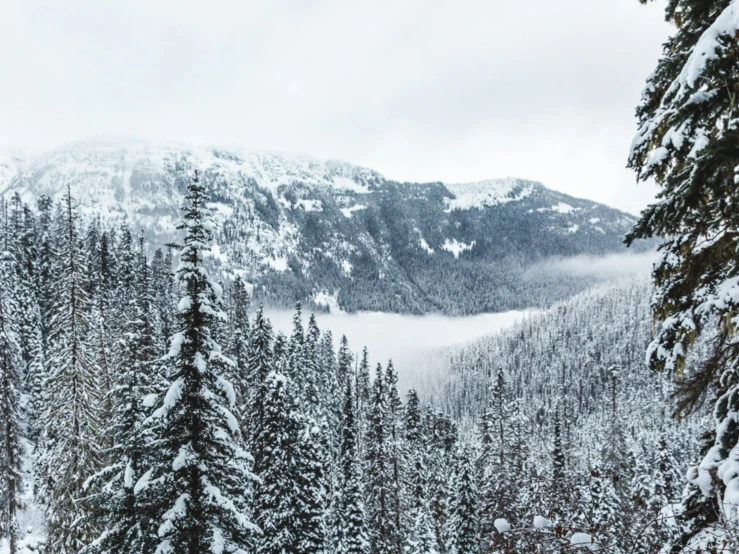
x=610, y=266
x=406, y=339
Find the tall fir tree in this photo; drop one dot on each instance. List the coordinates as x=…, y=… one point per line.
x=260, y=363
x=71, y=437
x=381, y=521
x=394, y=448
x=276, y=491
x=238, y=347
x=464, y=518
x=122, y=513
x=201, y=469
x=352, y=533
x=12, y=429
x=687, y=143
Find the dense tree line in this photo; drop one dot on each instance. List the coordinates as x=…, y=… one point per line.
x=158, y=413
x=162, y=414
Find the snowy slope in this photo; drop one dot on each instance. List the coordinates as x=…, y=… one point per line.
x=301, y=228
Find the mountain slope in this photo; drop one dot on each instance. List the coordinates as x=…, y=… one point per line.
x=338, y=234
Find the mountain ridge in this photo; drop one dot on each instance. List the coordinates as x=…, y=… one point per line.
x=336, y=234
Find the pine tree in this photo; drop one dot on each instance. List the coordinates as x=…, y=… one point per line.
x=687, y=143
x=260, y=363
x=353, y=530
x=310, y=501
x=464, y=519
x=498, y=494
x=71, y=438
x=238, y=347
x=364, y=399
x=121, y=511
x=345, y=360
x=274, y=502
x=11, y=408
x=606, y=510
x=394, y=406
x=200, y=473
x=380, y=518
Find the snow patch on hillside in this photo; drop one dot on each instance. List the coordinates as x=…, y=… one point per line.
x=492, y=192
x=349, y=211
x=328, y=300
x=456, y=247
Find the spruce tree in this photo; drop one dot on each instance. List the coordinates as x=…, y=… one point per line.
x=353, y=530
x=126, y=525
x=464, y=518
x=393, y=419
x=380, y=518
x=238, y=347
x=12, y=430
x=260, y=363
x=195, y=495
x=310, y=501
x=687, y=143
x=276, y=491
x=71, y=437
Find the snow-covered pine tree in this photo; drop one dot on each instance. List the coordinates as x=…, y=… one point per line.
x=274, y=500
x=296, y=351
x=686, y=142
x=162, y=286
x=441, y=437
x=238, y=347
x=363, y=390
x=310, y=501
x=381, y=522
x=12, y=430
x=414, y=448
x=615, y=452
x=71, y=437
x=126, y=525
x=464, y=513
x=394, y=449
x=310, y=379
x=260, y=363
x=102, y=291
x=31, y=327
x=46, y=260
x=200, y=468
x=344, y=361
x=605, y=513
x=498, y=494
x=352, y=532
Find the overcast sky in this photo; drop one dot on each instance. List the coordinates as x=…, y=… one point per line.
x=420, y=90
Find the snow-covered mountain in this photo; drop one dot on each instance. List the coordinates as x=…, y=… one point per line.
x=334, y=233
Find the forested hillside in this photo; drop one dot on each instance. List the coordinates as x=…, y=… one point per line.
x=151, y=411
x=330, y=234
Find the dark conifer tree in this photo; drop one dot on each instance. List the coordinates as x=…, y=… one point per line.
x=464, y=513
x=238, y=347
x=687, y=143
x=276, y=491
x=352, y=532
x=381, y=521
x=260, y=363
x=200, y=470
x=12, y=431
x=71, y=437
x=126, y=523
x=393, y=420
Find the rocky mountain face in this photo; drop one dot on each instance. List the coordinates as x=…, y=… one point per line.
x=337, y=235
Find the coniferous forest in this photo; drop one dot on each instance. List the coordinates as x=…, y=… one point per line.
x=148, y=406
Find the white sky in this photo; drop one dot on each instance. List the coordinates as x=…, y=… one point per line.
x=420, y=90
